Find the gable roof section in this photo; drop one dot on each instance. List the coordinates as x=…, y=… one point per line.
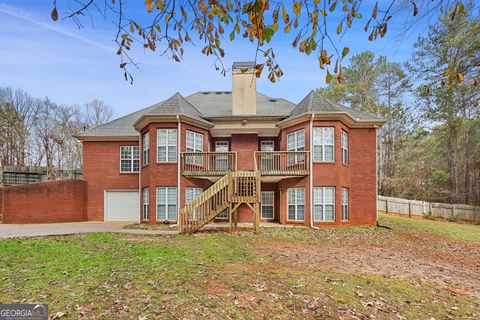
x=219, y=103
x=314, y=103
x=176, y=105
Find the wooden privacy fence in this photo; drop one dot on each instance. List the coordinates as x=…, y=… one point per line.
x=417, y=208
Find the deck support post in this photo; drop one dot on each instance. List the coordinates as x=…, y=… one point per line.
x=230, y=213
x=257, y=218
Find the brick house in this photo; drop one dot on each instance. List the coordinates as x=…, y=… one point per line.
x=194, y=159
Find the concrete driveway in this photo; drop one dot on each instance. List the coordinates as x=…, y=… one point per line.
x=50, y=229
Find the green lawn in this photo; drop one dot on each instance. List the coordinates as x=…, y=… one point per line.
x=216, y=275
x=453, y=230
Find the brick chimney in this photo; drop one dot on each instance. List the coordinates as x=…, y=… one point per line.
x=244, y=89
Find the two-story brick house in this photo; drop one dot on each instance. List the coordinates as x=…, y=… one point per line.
x=310, y=164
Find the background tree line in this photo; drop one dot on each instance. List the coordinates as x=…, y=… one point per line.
x=40, y=132
x=429, y=149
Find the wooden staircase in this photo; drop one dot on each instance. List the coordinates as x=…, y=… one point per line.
x=233, y=189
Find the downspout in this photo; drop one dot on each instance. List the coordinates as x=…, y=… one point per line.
x=376, y=176
x=311, y=174
x=140, y=178
x=179, y=145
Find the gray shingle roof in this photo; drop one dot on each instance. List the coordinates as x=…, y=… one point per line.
x=314, y=102
x=119, y=127
x=177, y=105
x=219, y=103
x=203, y=105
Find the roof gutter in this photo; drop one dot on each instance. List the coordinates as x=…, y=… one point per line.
x=311, y=173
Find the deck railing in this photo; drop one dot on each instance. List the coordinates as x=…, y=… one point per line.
x=208, y=163
x=244, y=186
x=282, y=163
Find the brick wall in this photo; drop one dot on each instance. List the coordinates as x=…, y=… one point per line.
x=101, y=170
x=46, y=202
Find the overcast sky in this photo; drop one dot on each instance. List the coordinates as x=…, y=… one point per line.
x=72, y=65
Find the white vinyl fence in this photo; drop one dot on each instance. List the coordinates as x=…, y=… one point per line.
x=414, y=208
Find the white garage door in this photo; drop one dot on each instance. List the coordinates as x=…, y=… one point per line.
x=122, y=206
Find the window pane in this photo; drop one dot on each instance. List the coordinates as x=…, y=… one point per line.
x=136, y=152
x=300, y=212
x=344, y=196
x=172, y=137
x=318, y=212
x=145, y=195
x=267, y=212
x=318, y=195
x=267, y=198
x=161, y=137
x=317, y=136
x=329, y=213
x=291, y=141
x=199, y=142
x=291, y=196
x=136, y=165
x=328, y=135
x=291, y=212
x=126, y=166
x=172, y=153
x=328, y=153
x=300, y=196
x=172, y=212
x=190, y=141
x=300, y=139
x=317, y=153
x=344, y=139
x=162, y=154
x=161, y=212
x=161, y=195
x=329, y=194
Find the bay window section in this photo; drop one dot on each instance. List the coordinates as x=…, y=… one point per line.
x=166, y=145
x=194, y=144
x=146, y=148
x=323, y=144
x=145, y=202
x=324, y=204
x=166, y=204
x=344, y=204
x=190, y=195
x=296, y=204
x=344, y=147
x=296, y=142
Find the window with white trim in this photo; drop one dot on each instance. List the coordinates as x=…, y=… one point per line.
x=267, y=204
x=145, y=206
x=344, y=204
x=296, y=142
x=166, y=145
x=323, y=144
x=194, y=144
x=344, y=147
x=324, y=203
x=267, y=145
x=190, y=195
x=146, y=148
x=296, y=204
x=129, y=159
x=166, y=203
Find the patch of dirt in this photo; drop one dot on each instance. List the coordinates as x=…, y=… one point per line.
x=453, y=265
